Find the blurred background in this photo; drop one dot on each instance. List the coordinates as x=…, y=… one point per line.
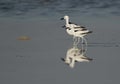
x=33, y=41
x=58, y=7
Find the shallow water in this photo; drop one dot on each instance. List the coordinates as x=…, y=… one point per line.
x=37, y=60
x=56, y=7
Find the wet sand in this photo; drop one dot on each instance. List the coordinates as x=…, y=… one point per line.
x=37, y=60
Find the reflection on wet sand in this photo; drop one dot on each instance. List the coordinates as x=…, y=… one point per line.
x=75, y=54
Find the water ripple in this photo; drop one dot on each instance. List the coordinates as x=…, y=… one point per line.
x=21, y=7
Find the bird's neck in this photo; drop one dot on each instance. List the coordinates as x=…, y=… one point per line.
x=67, y=21
x=72, y=63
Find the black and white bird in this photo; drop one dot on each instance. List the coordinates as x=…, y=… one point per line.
x=74, y=29
x=75, y=55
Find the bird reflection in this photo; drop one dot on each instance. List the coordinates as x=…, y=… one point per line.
x=75, y=54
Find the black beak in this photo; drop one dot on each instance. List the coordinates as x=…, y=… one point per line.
x=62, y=59
x=62, y=19
x=63, y=26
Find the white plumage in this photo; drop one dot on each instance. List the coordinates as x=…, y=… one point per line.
x=75, y=55
x=74, y=29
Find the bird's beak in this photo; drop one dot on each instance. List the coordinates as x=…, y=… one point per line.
x=62, y=59
x=62, y=19
x=63, y=26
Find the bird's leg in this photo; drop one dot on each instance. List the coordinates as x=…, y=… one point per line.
x=83, y=42
x=78, y=40
x=82, y=45
x=85, y=45
x=74, y=41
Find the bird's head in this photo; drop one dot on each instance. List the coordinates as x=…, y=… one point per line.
x=65, y=61
x=65, y=17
